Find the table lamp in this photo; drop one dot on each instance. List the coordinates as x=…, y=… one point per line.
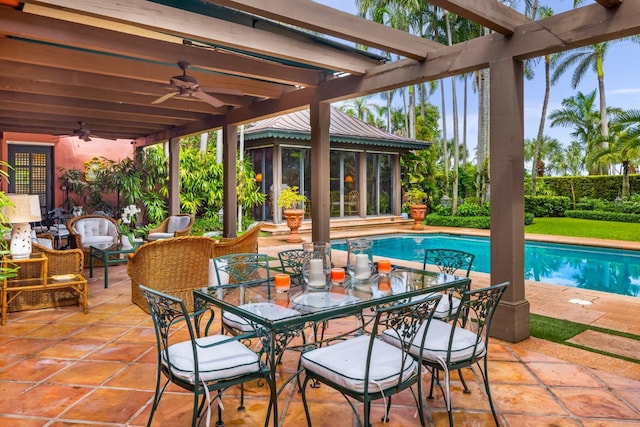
x=26, y=209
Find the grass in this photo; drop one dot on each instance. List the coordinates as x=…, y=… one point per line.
x=559, y=331
x=576, y=227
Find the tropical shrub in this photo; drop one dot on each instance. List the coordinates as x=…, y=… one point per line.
x=546, y=206
x=603, y=216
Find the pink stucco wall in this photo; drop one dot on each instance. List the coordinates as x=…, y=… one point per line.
x=68, y=152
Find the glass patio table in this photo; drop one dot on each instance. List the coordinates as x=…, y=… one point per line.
x=278, y=317
x=112, y=255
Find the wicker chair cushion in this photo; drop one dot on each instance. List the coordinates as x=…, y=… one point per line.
x=218, y=362
x=345, y=364
x=177, y=223
x=268, y=310
x=159, y=236
x=436, y=342
x=96, y=231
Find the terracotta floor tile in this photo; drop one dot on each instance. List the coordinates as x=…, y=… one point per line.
x=616, y=381
x=594, y=403
x=126, y=320
x=138, y=335
x=632, y=397
x=510, y=372
x=26, y=346
x=525, y=399
x=71, y=348
x=56, y=330
x=141, y=376
x=103, y=333
x=119, y=352
x=21, y=422
x=540, y=421
x=108, y=405
x=45, y=400
x=18, y=329
x=8, y=360
x=467, y=418
x=609, y=423
x=87, y=373
x=498, y=351
x=33, y=369
x=565, y=374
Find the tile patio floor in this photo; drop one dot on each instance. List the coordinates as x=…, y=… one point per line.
x=63, y=368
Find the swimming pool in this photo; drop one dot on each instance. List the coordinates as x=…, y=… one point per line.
x=601, y=269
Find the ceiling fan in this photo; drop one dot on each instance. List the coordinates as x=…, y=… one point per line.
x=185, y=85
x=82, y=132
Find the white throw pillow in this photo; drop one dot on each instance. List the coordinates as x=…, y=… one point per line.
x=213, y=277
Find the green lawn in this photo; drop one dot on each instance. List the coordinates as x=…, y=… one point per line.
x=585, y=228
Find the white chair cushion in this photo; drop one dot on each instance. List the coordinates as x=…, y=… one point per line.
x=267, y=310
x=213, y=277
x=177, y=223
x=442, y=310
x=436, y=342
x=159, y=236
x=101, y=242
x=344, y=363
x=220, y=362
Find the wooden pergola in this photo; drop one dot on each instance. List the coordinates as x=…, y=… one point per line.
x=105, y=63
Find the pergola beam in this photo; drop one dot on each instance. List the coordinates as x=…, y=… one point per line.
x=488, y=13
x=327, y=20
x=157, y=17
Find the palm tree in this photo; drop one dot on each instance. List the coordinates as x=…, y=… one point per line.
x=579, y=112
x=625, y=148
x=574, y=159
x=548, y=150
x=545, y=12
x=362, y=109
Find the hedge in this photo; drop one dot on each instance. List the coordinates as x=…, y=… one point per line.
x=603, y=216
x=483, y=222
x=606, y=187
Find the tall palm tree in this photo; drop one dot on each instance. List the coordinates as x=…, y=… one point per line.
x=545, y=12
x=549, y=149
x=573, y=159
x=579, y=113
x=362, y=109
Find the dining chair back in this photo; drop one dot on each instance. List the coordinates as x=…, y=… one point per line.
x=449, y=261
x=242, y=268
x=463, y=342
x=291, y=262
x=205, y=365
x=367, y=368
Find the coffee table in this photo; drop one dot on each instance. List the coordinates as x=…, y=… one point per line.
x=108, y=256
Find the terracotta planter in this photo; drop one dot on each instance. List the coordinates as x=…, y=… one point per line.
x=418, y=213
x=294, y=221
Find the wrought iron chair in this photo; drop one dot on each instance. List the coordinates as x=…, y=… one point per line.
x=202, y=364
x=449, y=261
x=451, y=346
x=386, y=369
x=291, y=262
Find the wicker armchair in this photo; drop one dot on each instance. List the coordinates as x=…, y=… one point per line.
x=174, y=266
x=173, y=226
x=88, y=230
x=61, y=262
x=247, y=243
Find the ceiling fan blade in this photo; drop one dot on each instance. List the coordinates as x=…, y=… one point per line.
x=221, y=90
x=208, y=98
x=165, y=97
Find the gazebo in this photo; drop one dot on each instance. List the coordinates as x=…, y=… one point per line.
x=232, y=62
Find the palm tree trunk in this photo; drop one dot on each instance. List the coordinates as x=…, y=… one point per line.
x=604, y=121
x=445, y=151
x=543, y=118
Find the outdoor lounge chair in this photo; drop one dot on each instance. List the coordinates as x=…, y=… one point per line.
x=173, y=226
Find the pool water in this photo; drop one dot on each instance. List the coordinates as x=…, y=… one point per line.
x=602, y=269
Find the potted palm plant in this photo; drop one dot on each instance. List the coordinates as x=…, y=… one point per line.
x=416, y=198
x=293, y=204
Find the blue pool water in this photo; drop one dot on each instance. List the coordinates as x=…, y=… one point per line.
x=601, y=269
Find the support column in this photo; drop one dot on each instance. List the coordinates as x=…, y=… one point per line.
x=320, y=118
x=230, y=195
x=174, y=176
x=506, y=162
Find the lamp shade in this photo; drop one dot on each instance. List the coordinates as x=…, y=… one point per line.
x=26, y=208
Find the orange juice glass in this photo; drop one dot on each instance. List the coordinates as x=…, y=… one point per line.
x=282, y=282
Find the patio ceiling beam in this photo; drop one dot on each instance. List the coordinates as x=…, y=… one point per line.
x=488, y=13
x=193, y=26
x=327, y=20
x=60, y=57
x=609, y=3
x=114, y=42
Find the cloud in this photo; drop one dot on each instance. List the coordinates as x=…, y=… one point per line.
x=624, y=91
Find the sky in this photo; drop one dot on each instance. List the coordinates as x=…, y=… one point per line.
x=622, y=86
